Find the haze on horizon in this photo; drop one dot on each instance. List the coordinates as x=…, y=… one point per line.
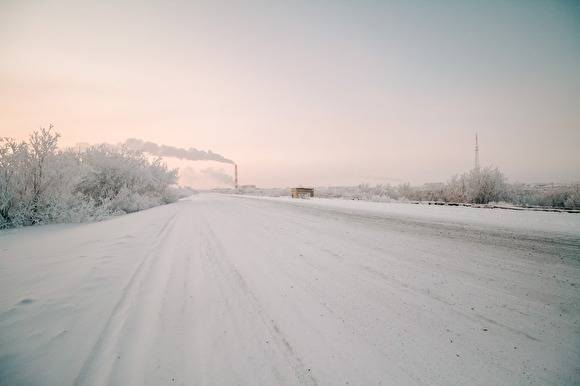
x=324, y=93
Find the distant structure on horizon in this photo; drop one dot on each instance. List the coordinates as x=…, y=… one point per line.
x=301, y=192
x=476, y=152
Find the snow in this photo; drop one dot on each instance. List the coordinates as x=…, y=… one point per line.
x=562, y=222
x=226, y=290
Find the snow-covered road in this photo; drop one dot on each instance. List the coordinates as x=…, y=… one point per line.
x=219, y=290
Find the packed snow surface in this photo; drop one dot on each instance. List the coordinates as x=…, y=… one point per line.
x=224, y=290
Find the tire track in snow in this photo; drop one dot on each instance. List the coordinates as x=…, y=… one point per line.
x=166, y=309
x=99, y=364
x=379, y=279
x=301, y=372
x=283, y=266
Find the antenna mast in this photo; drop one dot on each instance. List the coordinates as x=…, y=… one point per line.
x=476, y=152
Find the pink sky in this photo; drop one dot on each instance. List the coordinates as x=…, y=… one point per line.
x=323, y=93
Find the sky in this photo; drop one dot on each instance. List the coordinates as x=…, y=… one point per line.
x=305, y=92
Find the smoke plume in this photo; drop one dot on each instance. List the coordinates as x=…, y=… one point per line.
x=171, y=151
x=192, y=177
x=218, y=175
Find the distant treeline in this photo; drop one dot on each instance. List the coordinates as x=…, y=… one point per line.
x=478, y=186
x=466, y=189
x=41, y=184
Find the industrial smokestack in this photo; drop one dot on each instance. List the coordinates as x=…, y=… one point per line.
x=236, y=175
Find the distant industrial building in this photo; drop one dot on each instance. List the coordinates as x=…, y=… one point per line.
x=302, y=192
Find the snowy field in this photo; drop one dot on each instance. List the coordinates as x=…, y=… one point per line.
x=224, y=290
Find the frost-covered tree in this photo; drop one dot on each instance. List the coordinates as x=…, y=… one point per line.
x=41, y=147
x=41, y=184
x=486, y=185
x=13, y=164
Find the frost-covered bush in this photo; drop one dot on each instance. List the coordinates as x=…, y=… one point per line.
x=41, y=184
x=548, y=195
x=125, y=180
x=479, y=186
x=486, y=185
x=573, y=199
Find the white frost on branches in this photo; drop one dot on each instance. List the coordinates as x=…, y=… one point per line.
x=41, y=184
